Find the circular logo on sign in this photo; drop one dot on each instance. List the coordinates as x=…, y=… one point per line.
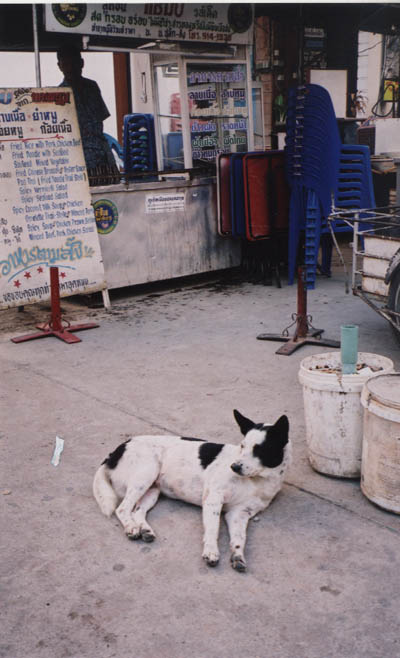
x=240, y=17
x=106, y=215
x=69, y=15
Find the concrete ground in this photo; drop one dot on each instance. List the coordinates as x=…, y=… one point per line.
x=323, y=577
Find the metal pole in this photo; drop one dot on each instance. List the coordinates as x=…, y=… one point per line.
x=301, y=320
x=250, y=135
x=300, y=32
x=36, y=47
x=355, y=252
x=55, y=323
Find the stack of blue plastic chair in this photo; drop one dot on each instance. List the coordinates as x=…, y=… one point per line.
x=321, y=172
x=139, y=143
x=354, y=190
x=312, y=159
x=355, y=187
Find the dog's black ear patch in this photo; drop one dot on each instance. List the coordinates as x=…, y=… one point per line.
x=190, y=438
x=270, y=451
x=244, y=423
x=208, y=452
x=113, y=458
x=280, y=430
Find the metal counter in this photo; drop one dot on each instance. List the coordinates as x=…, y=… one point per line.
x=160, y=230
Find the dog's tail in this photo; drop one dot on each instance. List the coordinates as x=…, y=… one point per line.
x=103, y=492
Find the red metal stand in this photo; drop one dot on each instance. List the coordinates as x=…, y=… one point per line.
x=305, y=333
x=55, y=327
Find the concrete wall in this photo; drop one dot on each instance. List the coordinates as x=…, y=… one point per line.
x=140, y=66
x=262, y=63
x=369, y=69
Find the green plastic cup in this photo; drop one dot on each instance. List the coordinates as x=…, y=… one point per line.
x=349, y=348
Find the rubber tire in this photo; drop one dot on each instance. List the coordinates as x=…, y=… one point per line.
x=394, y=301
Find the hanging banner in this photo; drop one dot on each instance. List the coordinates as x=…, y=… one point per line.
x=46, y=216
x=213, y=23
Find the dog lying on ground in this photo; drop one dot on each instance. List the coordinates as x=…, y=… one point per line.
x=240, y=481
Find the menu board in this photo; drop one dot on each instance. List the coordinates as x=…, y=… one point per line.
x=218, y=109
x=46, y=216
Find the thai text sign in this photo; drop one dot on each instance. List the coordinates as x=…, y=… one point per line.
x=218, y=109
x=165, y=202
x=46, y=216
x=214, y=23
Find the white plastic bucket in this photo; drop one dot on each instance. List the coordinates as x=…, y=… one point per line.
x=333, y=413
x=380, y=468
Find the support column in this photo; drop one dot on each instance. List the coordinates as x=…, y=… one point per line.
x=122, y=87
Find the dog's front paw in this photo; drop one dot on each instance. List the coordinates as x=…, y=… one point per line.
x=134, y=534
x=238, y=562
x=148, y=536
x=144, y=534
x=211, y=558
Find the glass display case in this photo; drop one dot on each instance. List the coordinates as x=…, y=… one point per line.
x=218, y=109
x=202, y=108
x=169, y=116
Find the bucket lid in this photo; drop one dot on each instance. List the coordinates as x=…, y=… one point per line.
x=385, y=389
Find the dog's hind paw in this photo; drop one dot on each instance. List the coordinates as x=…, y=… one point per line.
x=211, y=558
x=238, y=563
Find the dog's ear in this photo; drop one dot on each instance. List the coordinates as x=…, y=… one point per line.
x=244, y=423
x=280, y=431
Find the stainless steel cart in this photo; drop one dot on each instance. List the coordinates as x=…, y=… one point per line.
x=376, y=259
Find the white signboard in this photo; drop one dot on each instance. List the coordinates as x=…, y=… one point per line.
x=387, y=137
x=213, y=23
x=335, y=82
x=165, y=202
x=46, y=216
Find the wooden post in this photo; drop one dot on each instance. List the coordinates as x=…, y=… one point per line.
x=122, y=85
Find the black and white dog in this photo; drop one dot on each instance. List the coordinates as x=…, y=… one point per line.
x=238, y=480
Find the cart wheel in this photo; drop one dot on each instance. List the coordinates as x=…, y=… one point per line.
x=394, y=302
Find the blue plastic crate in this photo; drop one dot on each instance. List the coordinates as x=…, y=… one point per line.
x=139, y=143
